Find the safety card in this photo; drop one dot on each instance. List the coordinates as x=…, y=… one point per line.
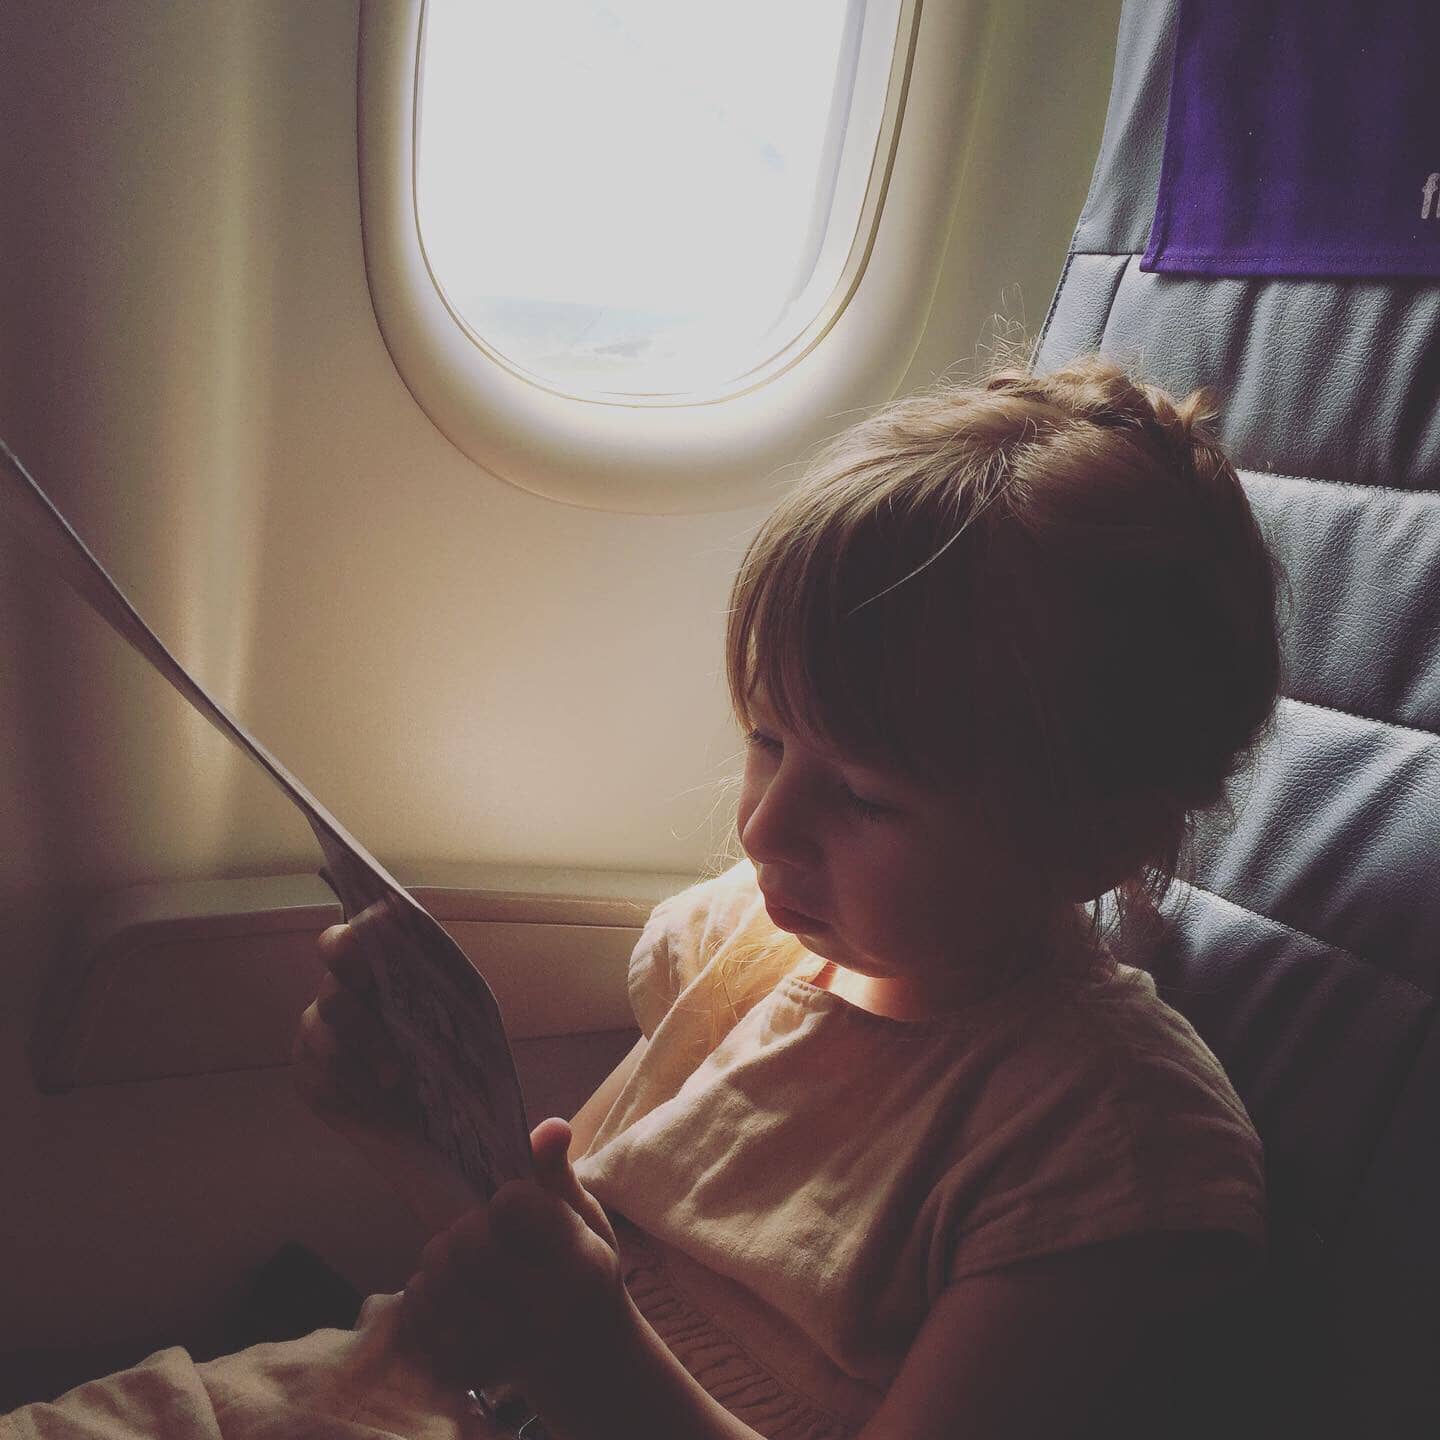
x=437, y=1007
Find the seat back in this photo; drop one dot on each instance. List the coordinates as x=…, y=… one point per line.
x=1307, y=951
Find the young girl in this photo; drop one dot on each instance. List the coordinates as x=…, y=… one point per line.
x=904, y=1151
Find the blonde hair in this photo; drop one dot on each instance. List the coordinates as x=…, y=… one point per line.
x=1047, y=591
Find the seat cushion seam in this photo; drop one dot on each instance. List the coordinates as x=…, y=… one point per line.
x=1313, y=939
x=1247, y=471
x=1364, y=719
x=1054, y=307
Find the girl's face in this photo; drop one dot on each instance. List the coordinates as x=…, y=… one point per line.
x=884, y=877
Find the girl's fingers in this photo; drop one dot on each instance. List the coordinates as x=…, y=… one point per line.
x=357, y=1025
x=314, y=1037
x=436, y=1252
x=328, y=986
x=340, y=1007
x=466, y=1327
x=464, y=1251
x=432, y=1325
x=345, y=1038
x=349, y=1063
x=343, y=957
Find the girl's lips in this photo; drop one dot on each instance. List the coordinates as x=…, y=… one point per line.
x=793, y=919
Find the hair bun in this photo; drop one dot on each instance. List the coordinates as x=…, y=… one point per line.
x=1100, y=390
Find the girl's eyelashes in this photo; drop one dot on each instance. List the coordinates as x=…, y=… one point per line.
x=866, y=809
x=763, y=742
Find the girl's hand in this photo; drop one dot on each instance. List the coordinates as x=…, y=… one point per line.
x=343, y=1062
x=349, y=1072
x=527, y=1289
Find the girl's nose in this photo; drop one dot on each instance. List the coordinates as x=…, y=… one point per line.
x=781, y=825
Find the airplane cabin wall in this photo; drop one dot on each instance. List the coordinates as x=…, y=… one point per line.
x=459, y=669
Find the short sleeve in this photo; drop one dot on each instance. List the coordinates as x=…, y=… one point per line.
x=1140, y=1143
x=680, y=938
x=652, y=980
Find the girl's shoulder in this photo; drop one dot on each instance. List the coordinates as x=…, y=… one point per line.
x=1104, y=1057
x=1105, y=1115
x=1141, y=1030
x=1117, y=1028
x=683, y=936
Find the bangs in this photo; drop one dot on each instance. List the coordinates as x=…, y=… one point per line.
x=852, y=623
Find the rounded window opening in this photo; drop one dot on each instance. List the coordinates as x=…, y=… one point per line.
x=641, y=199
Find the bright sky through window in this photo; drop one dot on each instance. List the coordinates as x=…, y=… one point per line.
x=646, y=196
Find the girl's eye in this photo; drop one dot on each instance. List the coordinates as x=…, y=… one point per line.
x=865, y=809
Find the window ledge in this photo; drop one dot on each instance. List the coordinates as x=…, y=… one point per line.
x=202, y=977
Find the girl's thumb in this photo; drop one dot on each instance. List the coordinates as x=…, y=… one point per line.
x=549, y=1144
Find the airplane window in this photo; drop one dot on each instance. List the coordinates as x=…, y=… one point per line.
x=639, y=255
x=639, y=198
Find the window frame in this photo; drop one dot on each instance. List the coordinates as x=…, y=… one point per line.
x=669, y=454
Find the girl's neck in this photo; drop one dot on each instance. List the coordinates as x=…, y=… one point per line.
x=902, y=1000
x=909, y=998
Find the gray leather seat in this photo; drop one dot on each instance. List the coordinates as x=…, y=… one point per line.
x=1308, y=952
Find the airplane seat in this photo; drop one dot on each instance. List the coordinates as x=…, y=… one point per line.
x=1307, y=951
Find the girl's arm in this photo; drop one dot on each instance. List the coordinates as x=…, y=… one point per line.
x=1020, y=1354
x=1032, y=1350
x=630, y=1384
x=1026, y=1353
